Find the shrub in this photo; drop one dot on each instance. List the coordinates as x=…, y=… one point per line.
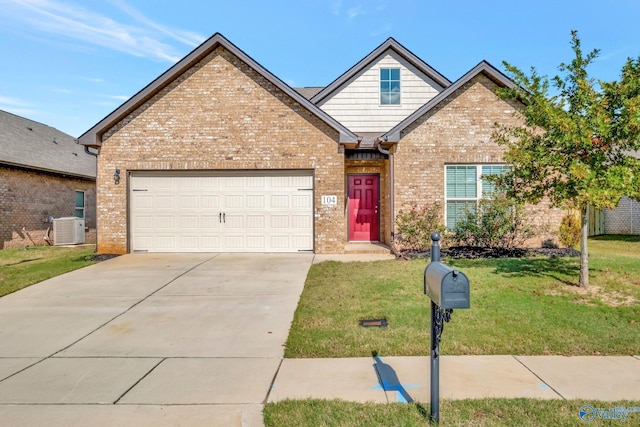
x=570, y=230
x=498, y=222
x=415, y=224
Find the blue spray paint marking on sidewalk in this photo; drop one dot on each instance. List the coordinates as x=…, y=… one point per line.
x=398, y=388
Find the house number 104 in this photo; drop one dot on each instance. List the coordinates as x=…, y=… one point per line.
x=329, y=200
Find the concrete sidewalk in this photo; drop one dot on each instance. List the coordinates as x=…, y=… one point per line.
x=406, y=379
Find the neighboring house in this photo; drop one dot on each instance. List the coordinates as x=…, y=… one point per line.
x=43, y=173
x=218, y=154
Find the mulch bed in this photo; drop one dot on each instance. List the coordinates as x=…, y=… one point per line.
x=473, y=252
x=103, y=257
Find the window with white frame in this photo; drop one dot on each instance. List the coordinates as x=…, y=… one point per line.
x=390, y=86
x=464, y=187
x=79, y=212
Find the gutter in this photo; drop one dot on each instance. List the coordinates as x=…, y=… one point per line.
x=391, y=199
x=86, y=150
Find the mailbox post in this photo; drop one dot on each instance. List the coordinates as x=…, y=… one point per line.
x=448, y=289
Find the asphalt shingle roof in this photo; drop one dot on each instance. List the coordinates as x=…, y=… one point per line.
x=26, y=143
x=308, y=92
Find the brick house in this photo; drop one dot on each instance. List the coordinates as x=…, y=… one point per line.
x=218, y=154
x=43, y=173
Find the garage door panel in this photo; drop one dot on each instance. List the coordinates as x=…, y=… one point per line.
x=163, y=202
x=210, y=243
x=233, y=202
x=210, y=222
x=188, y=202
x=210, y=202
x=255, y=221
x=255, y=202
x=302, y=201
x=187, y=183
x=280, y=242
x=279, y=221
x=234, y=221
x=301, y=241
x=144, y=222
x=189, y=222
x=258, y=212
x=301, y=221
x=255, y=242
x=164, y=223
x=164, y=243
x=280, y=201
x=189, y=243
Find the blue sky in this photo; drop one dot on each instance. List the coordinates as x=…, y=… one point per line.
x=69, y=63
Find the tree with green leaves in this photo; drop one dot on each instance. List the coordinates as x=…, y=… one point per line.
x=578, y=145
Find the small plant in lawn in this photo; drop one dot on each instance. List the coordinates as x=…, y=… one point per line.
x=570, y=230
x=414, y=225
x=498, y=222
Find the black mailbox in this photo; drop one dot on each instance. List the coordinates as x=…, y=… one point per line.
x=447, y=287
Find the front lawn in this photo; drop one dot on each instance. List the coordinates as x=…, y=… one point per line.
x=526, y=306
x=20, y=268
x=477, y=412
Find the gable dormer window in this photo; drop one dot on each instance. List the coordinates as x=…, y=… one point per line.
x=390, y=86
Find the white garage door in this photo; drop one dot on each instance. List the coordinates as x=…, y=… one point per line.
x=249, y=212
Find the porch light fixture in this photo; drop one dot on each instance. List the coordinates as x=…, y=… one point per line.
x=116, y=177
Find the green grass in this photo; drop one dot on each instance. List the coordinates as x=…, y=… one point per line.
x=527, y=306
x=20, y=268
x=480, y=412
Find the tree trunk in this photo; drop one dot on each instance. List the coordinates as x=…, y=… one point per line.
x=583, y=281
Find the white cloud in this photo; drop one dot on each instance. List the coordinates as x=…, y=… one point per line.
x=358, y=8
x=69, y=21
x=118, y=97
x=336, y=5
x=356, y=11
x=14, y=102
x=187, y=37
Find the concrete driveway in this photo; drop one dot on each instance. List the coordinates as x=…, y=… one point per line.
x=149, y=340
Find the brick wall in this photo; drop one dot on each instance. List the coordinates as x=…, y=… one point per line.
x=28, y=198
x=220, y=115
x=457, y=131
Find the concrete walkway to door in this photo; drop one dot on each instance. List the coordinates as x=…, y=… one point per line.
x=149, y=340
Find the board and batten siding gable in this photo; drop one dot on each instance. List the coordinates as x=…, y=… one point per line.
x=356, y=105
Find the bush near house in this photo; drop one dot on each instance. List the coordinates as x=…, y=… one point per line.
x=497, y=223
x=569, y=231
x=414, y=225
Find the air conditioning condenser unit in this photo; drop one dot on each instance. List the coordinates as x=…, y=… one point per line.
x=68, y=231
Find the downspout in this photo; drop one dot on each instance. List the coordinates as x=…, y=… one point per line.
x=86, y=150
x=391, y=200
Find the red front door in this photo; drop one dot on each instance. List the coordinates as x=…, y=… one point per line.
x=363, y=208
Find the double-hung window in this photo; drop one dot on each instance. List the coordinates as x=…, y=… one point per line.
x=79, y=212
x=464, y=187
x=390, y=86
